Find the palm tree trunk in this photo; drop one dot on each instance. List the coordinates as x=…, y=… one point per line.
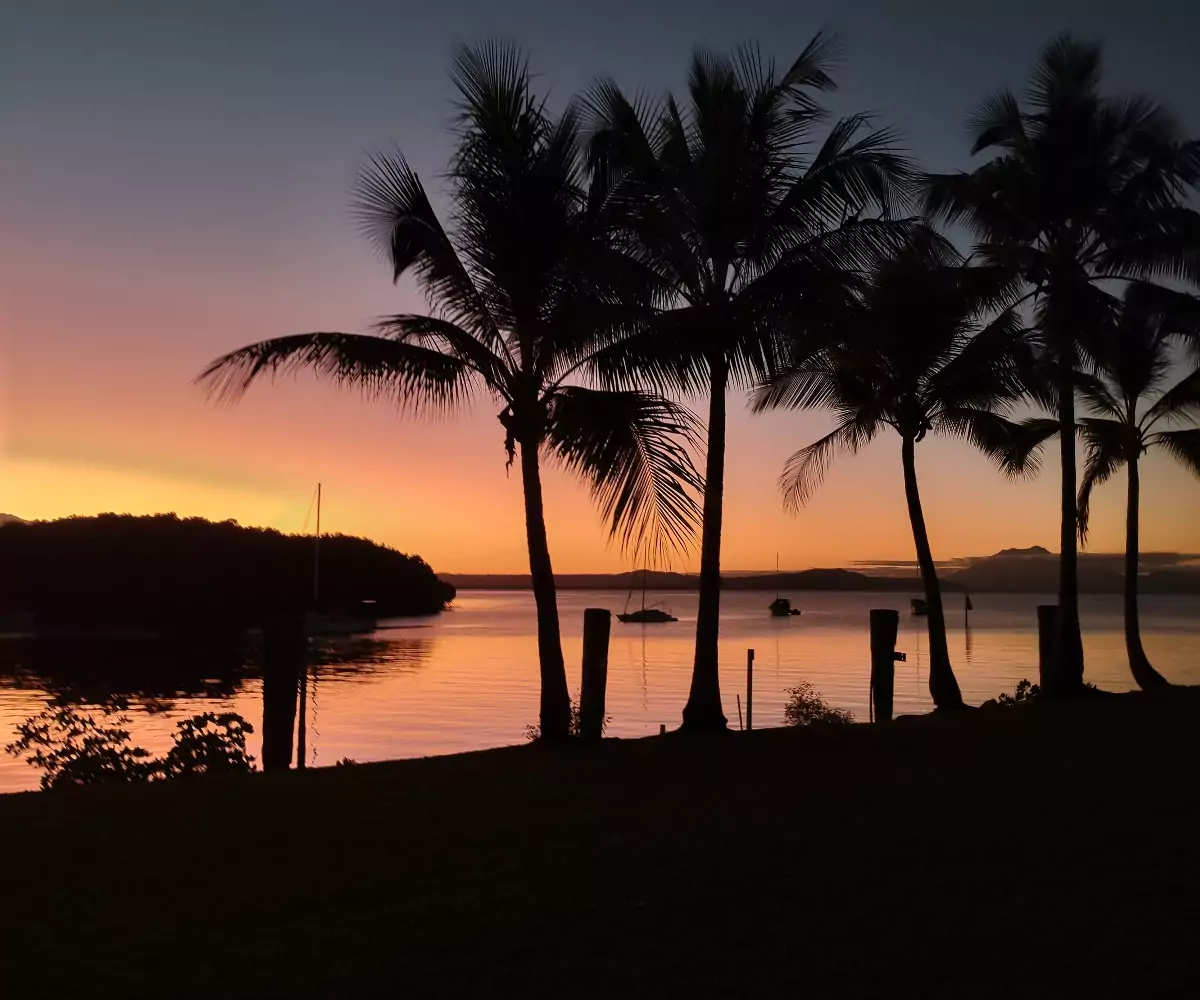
x=1145, y=675
x=555, y=714
x=943, y=686
x=1066, y=675
x=703, y=713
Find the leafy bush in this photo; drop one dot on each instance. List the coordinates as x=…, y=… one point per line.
x=73, y=747
x=1026, y=690
x=806, y=707
x=209, y=744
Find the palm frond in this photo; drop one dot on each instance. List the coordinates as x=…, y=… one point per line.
x=804, y=472
x=395, y=215
x=1180, y=402
x=632, y=447
x=1105, y=444
x=1014, y=447
x=445, y=337
x=989, y=369
x=1183, y=446
x=1067, y=73
x=415, y=377
x=812, y=67
x=998, y=122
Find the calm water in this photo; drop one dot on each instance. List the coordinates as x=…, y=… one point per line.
x=468, y=679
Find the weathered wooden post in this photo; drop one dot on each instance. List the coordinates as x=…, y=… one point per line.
x=749, y=689
x=597, y=623
x=302, y=720
x=885, y=625
x=285, y=647
x=1047, y=626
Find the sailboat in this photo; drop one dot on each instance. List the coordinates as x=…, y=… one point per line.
x=646, y=616
x=319, y=623
x=781, y=607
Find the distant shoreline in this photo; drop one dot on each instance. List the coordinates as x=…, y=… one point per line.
x=996, y=575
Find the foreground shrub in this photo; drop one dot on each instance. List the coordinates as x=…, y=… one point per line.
x=73, y=747
x=806, y=707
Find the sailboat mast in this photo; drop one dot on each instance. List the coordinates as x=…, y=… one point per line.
x=317, y=552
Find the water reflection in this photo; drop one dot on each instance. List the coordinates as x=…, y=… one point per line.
x=468, y=679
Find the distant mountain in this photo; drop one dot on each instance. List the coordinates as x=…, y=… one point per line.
x=1035, y=570
x=12, y=519
x=1030, y=570
x=809, y=579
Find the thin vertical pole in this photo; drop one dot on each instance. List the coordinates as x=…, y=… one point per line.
x=739, y=701
x=749, y=689
x=317, y=552
x=302, y=720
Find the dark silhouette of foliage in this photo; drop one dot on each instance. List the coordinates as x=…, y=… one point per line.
x=1025, y=691
x=526, y=285
x=806, y=707
x=208, y=744
x=1082, y=189
x=917, y=354
x=165, y=571
x=73, y=747
x=1124, y=423
x=751, y=230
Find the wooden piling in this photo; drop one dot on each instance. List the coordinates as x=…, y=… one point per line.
x=749, y=689
x=285, y=648
x=885, y=625
x=1047, y=615
x=597, y=623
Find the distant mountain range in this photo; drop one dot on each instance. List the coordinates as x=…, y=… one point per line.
x=1031, y=570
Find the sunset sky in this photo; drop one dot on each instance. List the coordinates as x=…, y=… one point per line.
x=174, y=181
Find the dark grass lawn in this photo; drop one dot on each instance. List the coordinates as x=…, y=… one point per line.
x=1035, y=850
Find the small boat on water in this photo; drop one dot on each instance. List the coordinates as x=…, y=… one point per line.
x=919, y=606
x=781, y=607
x=644, y=616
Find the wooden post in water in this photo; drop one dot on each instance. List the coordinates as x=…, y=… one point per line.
x=597, y=623
x=1047, y=626
x=885, y=624
x=302, y=720
x=749, y=689
x=284, y=652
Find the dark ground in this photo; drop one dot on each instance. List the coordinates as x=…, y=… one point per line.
x=1036, y=850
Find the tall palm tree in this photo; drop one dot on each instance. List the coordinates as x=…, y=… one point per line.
x=915, y=355
x=1125, y=425
x=752, y=233
x=525, y=287
x=1081, y=189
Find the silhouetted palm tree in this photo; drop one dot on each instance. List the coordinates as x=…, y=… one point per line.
x=1136, y=365
x=1082, y=189
x=752, y=231
x=916, y=356
x=526, y=286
